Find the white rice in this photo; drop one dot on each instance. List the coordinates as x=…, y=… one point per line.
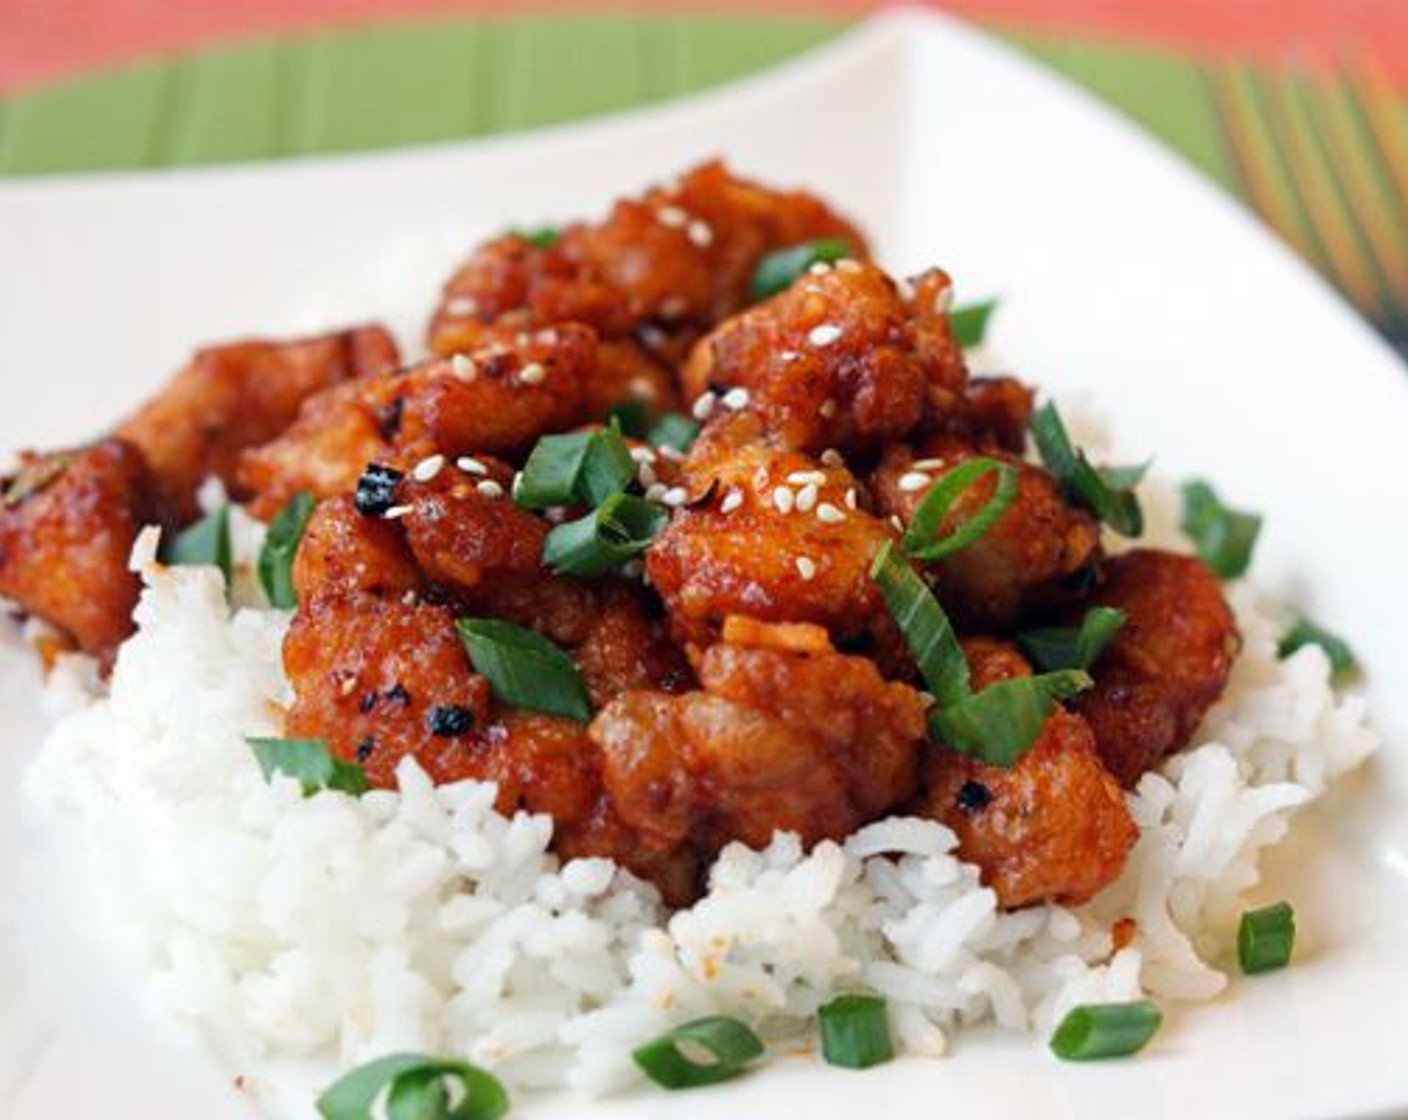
x=337, y=929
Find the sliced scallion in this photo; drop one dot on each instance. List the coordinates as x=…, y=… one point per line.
x=970, y=323
x=1223, y=536
x=674, y=430
x=1073, y=647
x=525, y=669
x=309, y=762
x=723, y=1046
x=777, y=271
x=207, y=542
x=926, y=628
x=618, y=530
x=999, y=724
x=632, y=417
x=1108, y=492
x=922, y=540
x=608, y=467
x=542, y=237
x=416, y=1087
x=577, y=467
x=1266, y=937
x=1106, y=1030
x=854, y=1032
x=1307, y=633
x=280, y=548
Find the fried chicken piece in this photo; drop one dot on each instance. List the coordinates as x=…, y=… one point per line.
x=497, y=400
x=1038, y=553
x=68, y=520
x=815, y=743
x=343, y=550
x=995, y=410
x=839, y=360
x=1166, y=667
x=1054, y=826
x=241, y=395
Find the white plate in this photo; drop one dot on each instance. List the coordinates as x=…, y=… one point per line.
x=1126, y=280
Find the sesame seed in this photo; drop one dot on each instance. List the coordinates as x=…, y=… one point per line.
x=848, y=265
x=735, y=399
x=704, y=405
x=461, y=305
x=427, y=469
x=643, y=455
x=824, y=335
x=490, y=489
x=395, y=513
x=556, y=514
x=462, y=367
x=788, y=356
x=348, y=686
x=471, y=465
x=732, y=500
x=806, y=498
x=832, y=458
x=517, y=482
x=655, y=492
x=674, y=454
x=675, y=496
x=851, y=498
x=827, y=409
x=646, y=473
x=802, y=478
x=532, y=374
x=633, y=569
x=928, y=465
x=674, y=307
x=914, y=480
x=671, y=216
x=700, y=234
x=928, y=699
x=829, y=514
x=783, y=499
x=896, y=522
x=547, y=336
x=819, y=268
x=806, y=567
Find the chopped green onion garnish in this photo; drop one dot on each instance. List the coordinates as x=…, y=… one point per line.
x=207, y=542
x=632, y=417
x=1224, y=537
x=926, y=628
x=280, y=547
x=416, y=1087
x=922, y=540
x=1307, y=633
x=1106, y=1030
x=525, y=669
x=1107, y=492
x=674, y=430
x=579, y=467
x=618, y=530
x=854, y=1032
x=970, y=324
x=608, y=468
x=999, y=724
x=1266, y=937
x=777, y=271
x=725, y=1046
x=543, y=237
x=310, y=762
x=1073, y=647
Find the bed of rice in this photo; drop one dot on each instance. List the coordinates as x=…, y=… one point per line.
x=341, y=928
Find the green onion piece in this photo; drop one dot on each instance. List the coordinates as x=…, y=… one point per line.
x=999, y=724
x=673, y=430
x=854, y=1033
x=608, y=467
x=580, y=466
x=310, y=762
x=922, y=540
x=926, y=628
x=543, y=237
x=1107, y=492
x=777, y=271
x=207, y=542
x=1106, y=1030
x=1224, y=537
x=632, y=417
x=417, y=1087
x=730, y=1044
x=1073, y=647
x=970, y=324
x=1266, y=937
x=619, y=529
x=525, y=669
x=1307, y=633
x=280, y=547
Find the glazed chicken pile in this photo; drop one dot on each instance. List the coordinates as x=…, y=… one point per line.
x=744, y=674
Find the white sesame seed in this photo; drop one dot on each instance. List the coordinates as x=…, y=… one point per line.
x=471, y=465
x=788, y=356
x=832, y=458
x=348, y=686
x=802, y=478
x=427, y=469
x=674, y=454
x=732, y=500
x=517, y=483
x=824, y=335
x=461, y=305
x=896, y=522
x=643, y=455
x=703, y=405
x=783, y=499
x=643, y=387
x=671, y=216
x=851, y=498
x=556, y=514
x=700, y=234
x=410, y=598
x=928, y=464
x=914, y=480
x=827, y=409
x=462, y=367
x=847, y=265
x=646, y=473
x=532, y=374
x=547, y=336
x=829, y=514
x=806, y=567
x=655, y=492
x=675, y=496
x=674, y=307
x=735, y=399
x=633, y=569
x=489, y=488
x=928, y=699
x=806, y=498
x=819, y=268
x=395, y=513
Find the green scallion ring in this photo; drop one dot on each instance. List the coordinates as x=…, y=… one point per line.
x=1266, y=938
x=724, y=1048
x=1106, y=1030
x=854, y=1032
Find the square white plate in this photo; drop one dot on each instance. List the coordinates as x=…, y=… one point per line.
x=1126, y=281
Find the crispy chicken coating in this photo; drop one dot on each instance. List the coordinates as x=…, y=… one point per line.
x=1037, y=554
x=815, y=743
x=1053, y=827
x=342, y=550
x=1166, y=667
x=241, y=395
